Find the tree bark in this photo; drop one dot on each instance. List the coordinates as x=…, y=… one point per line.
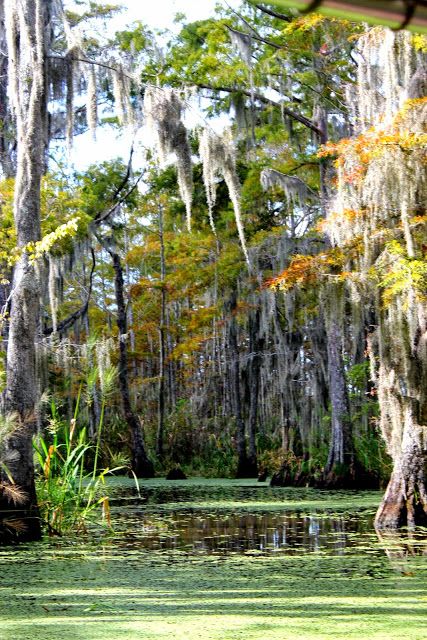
x=256, y=346
x=162, y=343
x=27, y=51
x=401, y=383
x=244, y=469
x=7, y=137
x=341, y=456
x=141, y=464
x=405, y=499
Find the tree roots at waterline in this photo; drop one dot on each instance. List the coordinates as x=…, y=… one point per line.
x=405, y=500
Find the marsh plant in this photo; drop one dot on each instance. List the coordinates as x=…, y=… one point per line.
x=71, y=486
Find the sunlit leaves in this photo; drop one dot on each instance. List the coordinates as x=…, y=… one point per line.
x=398, y=274
x=308, y=270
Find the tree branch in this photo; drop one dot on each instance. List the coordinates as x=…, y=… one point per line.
x=92, y=62
x=258, y=96
x=273, y=14
x=72, y=318
x=102, y=217
x=255, y=36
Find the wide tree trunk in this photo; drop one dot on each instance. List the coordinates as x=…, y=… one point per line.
x=401, y=381
x=21, y=400
x=28, y=40
x=141, y=464
x=405, y=499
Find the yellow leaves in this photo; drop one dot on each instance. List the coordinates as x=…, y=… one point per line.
x=409, y=141
x=144, y=284
x=416, y=220
x=412, y=104
x=202, y=317
x=58, y=205
x=187, y=348
x=419, y=42
x=37, y=249
x=302, y=270
x=399, y=274
x=305, y=23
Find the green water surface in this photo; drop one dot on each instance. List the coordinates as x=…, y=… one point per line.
x=220, y=560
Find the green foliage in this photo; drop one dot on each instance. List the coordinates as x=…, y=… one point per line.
x=100, y=184
x=69, y=495
x=372, y=455
x=358, y=375
x=217, y=459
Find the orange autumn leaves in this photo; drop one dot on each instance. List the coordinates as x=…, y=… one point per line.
x=307, y=270
x=354, y=155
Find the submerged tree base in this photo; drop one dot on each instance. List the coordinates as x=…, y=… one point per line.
x=176, y=474
x=340, y=477
x=352, y=476
x=404, y=504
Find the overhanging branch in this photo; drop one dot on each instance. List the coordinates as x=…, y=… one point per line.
x=258, y=96
x=72, y=318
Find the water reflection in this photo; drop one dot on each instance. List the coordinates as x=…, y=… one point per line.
x=401, y=547
x=290, y=533
x=203, y=519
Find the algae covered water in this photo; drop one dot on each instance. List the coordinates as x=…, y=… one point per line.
x=220, y=559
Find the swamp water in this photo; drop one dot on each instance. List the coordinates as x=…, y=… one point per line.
x=220, y=560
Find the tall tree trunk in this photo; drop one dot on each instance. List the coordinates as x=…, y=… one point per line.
x=141, y=464
x=7, y=138
x=256, y=346
x=28, y=37
x=339, y=466
x=162, y=343
x=244, y=469
x=341, y=454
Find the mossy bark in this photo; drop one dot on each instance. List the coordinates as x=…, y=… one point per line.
x=27, y=49
x=405, y=499
x=245, y=467
x=339, y=466
x=141, y=464
x=256, y=346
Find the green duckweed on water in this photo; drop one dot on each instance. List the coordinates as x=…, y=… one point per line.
x=220, y=560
